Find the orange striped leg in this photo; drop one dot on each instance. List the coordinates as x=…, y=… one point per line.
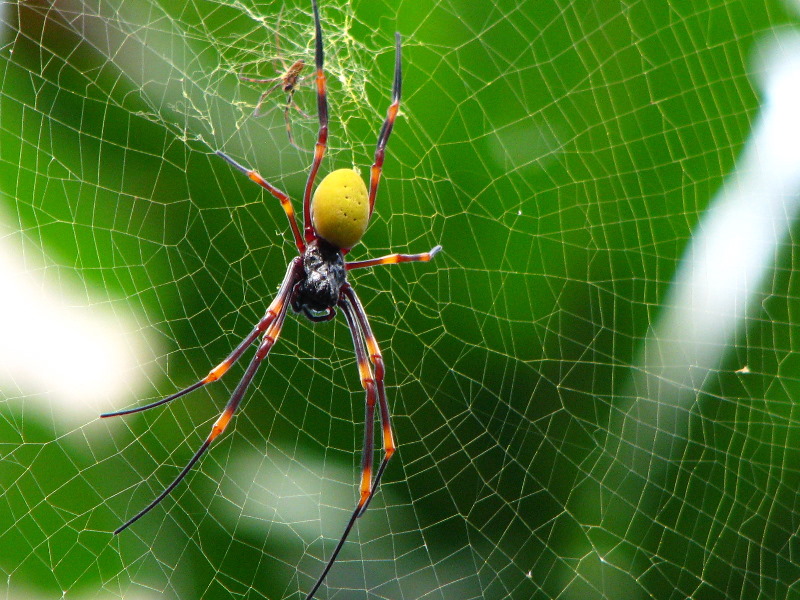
x=393, y=259
x=286, y=204
x=386, y=130
x=272, y=312
x=376, y=358
x=366, y=488
x=369, y=385
x=322, y=136
x=224, y=419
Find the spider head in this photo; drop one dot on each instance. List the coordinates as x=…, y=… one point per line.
x=340, y=208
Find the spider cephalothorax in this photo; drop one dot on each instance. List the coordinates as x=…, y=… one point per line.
x=316, y=284
x=324, y=275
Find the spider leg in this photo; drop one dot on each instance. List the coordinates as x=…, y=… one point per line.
x=322, y=136
x=254, y=80
x=295, y=106
x=289, y=104
x=283, y=67
x=220, y=370
x=257, y=111
x=368, y=382
x=363, y=339
x=386, y=130
x=393, y=259
x=376, y=358
x=281, y=196
x=221, y=423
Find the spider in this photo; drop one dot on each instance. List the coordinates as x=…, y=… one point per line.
x=316, y=285
x=288, y=81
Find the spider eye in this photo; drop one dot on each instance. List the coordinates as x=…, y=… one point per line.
x=340, y=208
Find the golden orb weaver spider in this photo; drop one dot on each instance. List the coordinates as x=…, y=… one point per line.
x=288, y=81
x=315, y=284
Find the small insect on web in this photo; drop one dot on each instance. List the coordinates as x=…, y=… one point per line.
x=288, y=81
x=315, y=285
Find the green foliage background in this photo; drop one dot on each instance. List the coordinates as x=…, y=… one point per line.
x=562, y=152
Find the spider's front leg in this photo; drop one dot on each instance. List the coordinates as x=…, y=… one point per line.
x=322, y=135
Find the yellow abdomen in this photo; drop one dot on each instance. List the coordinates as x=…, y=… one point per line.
x=340, y=208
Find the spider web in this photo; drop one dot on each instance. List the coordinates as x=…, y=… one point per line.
x=592, y=386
